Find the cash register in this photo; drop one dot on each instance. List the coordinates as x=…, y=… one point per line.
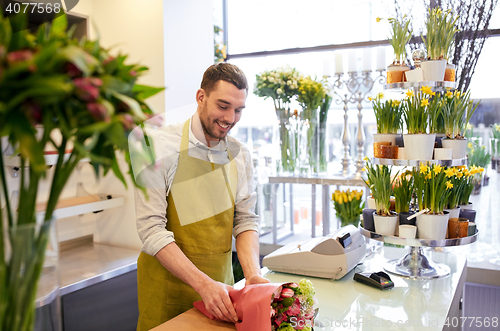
x=331, y=256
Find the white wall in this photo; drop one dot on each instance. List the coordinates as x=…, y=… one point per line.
x=188, y=31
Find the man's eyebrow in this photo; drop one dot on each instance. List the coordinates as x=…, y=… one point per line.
x=224, y=101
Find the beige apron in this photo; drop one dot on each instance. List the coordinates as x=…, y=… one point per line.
x=200, y=214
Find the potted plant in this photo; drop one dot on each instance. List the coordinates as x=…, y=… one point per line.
x=418, y=143
x=380, y=182
x=311, y=95
x=282, y=86
x=454, y=175
x=432, y=189
x=388, y=115
x=93, y=100
x=438, y=42
x=477, y=157
x=403, y=192
x=458, y=108
x=400, y=35
x=469, y=177
x=348, y=206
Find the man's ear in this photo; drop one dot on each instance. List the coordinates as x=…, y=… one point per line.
x=200, y=96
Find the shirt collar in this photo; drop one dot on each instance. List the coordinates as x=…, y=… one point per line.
x=195, y=121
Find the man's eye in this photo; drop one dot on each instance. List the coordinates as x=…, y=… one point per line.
x=237, y=111
x=222, y=107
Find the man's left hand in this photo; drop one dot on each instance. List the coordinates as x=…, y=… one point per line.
x=256, y=279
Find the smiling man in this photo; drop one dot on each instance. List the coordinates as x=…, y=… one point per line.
x=205, y=198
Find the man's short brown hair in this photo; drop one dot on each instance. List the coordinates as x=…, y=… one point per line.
x=223, y=71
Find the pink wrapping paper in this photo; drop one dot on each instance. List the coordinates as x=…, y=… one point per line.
x=252, y=304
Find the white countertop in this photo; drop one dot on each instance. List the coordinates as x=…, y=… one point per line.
x=348, y=305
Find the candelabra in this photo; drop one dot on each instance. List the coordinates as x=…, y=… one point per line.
x=358, y=88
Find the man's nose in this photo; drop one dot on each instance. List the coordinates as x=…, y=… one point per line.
x=229, y=117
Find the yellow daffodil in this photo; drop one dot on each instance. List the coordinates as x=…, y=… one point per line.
x=363, y=169
x=380, y=95
x=480, y=169
x=449, y=94
x=450, y=172
x=437, y=169
x=449, y=185
x=469, y=145
x=426, y=90
x=457, y=94
x=428, y=176
x=395, y=103
x=424, y=103
x=366, y=158
x=423, y=168
x=410, y=93
x=378, y=19
x=369, y=98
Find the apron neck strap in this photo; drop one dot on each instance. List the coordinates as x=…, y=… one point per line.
x=185, y=141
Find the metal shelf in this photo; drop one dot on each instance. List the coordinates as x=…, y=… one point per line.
x=416, y=163
x=434, y=84
x=419, y=242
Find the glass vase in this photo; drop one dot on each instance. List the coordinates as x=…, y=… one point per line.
x=323, y=147
x=31, y=278
x=285, y=140
x=344, y=220
x=309, y=142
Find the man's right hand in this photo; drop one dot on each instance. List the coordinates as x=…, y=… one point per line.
x=215, y=296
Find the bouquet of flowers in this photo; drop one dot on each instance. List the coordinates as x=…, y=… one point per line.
x=348, y=206
x=276, y=307
x=281, y=85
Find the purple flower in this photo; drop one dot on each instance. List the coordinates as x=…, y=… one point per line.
x=98, y=111
x=87, y=88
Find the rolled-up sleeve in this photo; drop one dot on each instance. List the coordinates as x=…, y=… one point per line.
x=151, y=211
x=245, y=218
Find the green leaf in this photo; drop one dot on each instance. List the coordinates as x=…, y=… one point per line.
x=83, y=60
x=133, y=104
x=58, y=25
x=117, y=172
x=111, y=84
x=117, y=135
x=23, y=133
x=145, y=92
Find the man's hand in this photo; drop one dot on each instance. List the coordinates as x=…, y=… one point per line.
x=256, y=279
x=215, y=296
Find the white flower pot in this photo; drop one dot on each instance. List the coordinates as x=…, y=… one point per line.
x=415, y=75
x=407, y=231
x=458, y=147
x=470, y=205
x=454, y=213
x=390, y=137
x=419, y=146
x=442, y=153
x=371, y=203
x=433, y=70
x=402, y=153
x=432, y=226
x=385, y=225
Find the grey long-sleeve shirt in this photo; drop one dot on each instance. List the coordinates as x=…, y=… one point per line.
x=157, y=179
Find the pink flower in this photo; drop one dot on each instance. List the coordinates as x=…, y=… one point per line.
x=72, y=70
x=98, y=111
x=294, y=309
x=273, y=312
x=86, y=88
x=287, y=293
x=108, y=60
x=279, y=319
x=309, y=315
x=19, y=56
x=127, y=121
x=293, y=285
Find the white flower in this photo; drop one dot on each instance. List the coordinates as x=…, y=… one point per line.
x=289, y=82
x=279, y=91
x=271, y=79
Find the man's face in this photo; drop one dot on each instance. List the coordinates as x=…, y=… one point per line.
x=220, y=110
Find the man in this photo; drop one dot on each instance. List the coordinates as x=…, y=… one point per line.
x=206, y=177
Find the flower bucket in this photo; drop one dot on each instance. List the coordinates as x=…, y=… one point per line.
x=433, y=70
x=449, y=74
x=458, y=147
x=454, y=213
x=390, y=137
x=470, y=205
x=432, y=226
x=419, y=146
x=395, y=73
x=385, y=225
x=309, y=143
x=284, y=139
x=443, y=153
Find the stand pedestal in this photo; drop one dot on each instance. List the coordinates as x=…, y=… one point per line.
x=416, y=265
